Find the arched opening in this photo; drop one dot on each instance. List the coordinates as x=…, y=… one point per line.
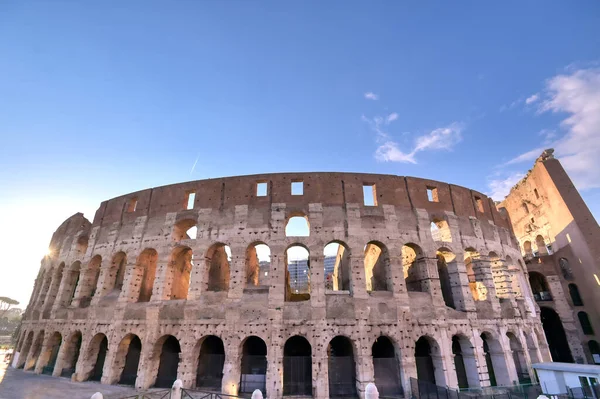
x=465, y=362
x=525, y=207
x=444, y=274
x=527, y=249
x=184, y=230
x=541, y=246
x=415, y=268
x=377, y=267
x=297, y=274
x=440, y=230
x=586, y=325
x=555, y=335
x=35, y=351
x=90, y=281
x=342, y=369
x=428, y=359
x=594, y=348
x=475, y=275
x=211, y=359
x=565, y=269
x=574, y=293
x=386, y=368
x=168, y=362
x=217, y=262
x=53, y=290
x=539, y=287
x=297, y=226
x=70, y=283
x=459, y=363
x=99, y=344
x=518, y=358
x=71, y=354
x=180, y=269
x=297, y=367
x=254, y=366
x=133, y=345
x=118, y=264
x=147, y=263
x=531, y=348
x=495, y=361
x=258, y=265
x=26, y=347
x=337, y=267
x=51, y=354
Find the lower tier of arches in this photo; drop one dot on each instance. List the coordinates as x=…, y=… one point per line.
x=321, y=360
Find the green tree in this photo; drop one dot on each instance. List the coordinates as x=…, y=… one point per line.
x=5, y=304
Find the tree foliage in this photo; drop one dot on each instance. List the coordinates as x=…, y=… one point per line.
x=5, y=304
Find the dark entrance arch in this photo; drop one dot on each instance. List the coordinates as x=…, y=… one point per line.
x=425, y=370
x=132, y=360
x=488, y=361
x=210, y=364
x=254, y=366
x=54, y=347
x=385, y=367
x=168, y=363
x=459, y=363
x=99, y=365
x=74, y=346
x=555, y=335
x=297, y=367
x=342, y=370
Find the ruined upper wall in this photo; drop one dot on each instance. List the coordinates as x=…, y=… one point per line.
x=329, y=189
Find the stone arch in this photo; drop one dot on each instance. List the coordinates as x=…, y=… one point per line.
x=117, y=270
x=414, y=266
x=297, y=225
x=54, y=287
x=341, y=367
x=25, y=348
x=36, y=349
x=146, y=263
x=82, y=244
x=185, y=229
x=165, y=358
x=444, y=257
x=495, y=360
x=378, y=275
x=179, y=272
x=95, y=357
x=297, y=366
x=337, y=267
x=440, y=230
x=218, y=257
x=254, y=365
x=89, y=281
x=541, y=245
x=555, y=335
x=475, y=275
x=71, y=354
x=465, y=362
x=539, y=287
x=258, y=264
x=584, y=321
x=386, y=366
x=518, y=357
x=574, y=294
x=127, y=360
x=210, y=362
x=48, y=357
x=428, y=358
x=527, y=248
x=69, y=284
x=297, y=273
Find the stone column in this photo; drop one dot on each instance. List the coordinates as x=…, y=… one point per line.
x=186, y=371
x=317, y=283
x=484, y=376
x=358, y=284
x=163, y=280
x=45, y=353
x=275, y=367
x=104, y=284
x=461, y=293
x=320, y=374
x=199, y=273
x=232, y=369
x=364, y=365
x=397, y=276
x=446, y=360
x=85, y=286
x=483, y=275
x=277, y=277
x=132, y=284
x=237, y=272
x=431, y=279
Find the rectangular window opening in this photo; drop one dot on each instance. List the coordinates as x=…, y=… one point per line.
x=132, y=205
x=537, y=195
x=261, y=189
x=479, y=203
x=432, y=194
x=297, y=188
x=191, y=197
x=369, y=195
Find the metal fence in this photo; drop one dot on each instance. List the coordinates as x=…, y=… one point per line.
x=427, y=390
x=162, y=394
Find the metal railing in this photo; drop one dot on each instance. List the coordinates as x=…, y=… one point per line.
x=163, y=394
x=192, y=394
x=427, y=390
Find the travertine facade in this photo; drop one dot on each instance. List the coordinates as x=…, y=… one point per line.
x=560, y=240
x=135, y=297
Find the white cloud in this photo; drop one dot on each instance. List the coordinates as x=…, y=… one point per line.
x=443, y=138
x=499, y=188
x=533, y=98
x=371, y=96
x=391, y=117
x=525, y=157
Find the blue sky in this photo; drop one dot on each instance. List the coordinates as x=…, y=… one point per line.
x=98, y=99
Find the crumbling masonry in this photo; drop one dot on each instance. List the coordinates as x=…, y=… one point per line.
x=425, y=279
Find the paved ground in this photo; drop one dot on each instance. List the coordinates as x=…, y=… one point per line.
x=19, y=384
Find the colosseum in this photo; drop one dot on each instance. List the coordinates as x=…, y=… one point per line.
x=305, y=284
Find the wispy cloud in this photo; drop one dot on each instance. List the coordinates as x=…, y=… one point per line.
x=371, y=96
x=533, y=98
x=194, y=165
x=526, y=156
x=391, y=117
x=500, y=187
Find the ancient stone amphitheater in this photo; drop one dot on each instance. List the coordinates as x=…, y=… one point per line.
x=310, y=284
